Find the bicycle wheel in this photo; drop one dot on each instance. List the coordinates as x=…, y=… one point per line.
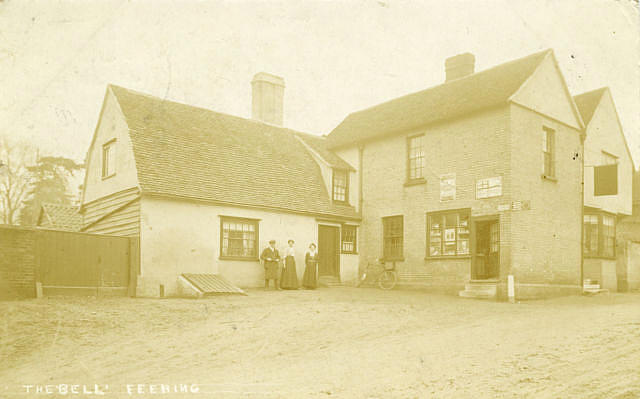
x=387, y=280
x=361, y=279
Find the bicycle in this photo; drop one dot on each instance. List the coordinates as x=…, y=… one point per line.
x=383, y=275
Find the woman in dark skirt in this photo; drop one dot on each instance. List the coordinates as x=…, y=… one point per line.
x=310, y=278
x=289, y=280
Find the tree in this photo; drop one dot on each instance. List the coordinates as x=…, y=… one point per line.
x=50, y=183
x=14, y=178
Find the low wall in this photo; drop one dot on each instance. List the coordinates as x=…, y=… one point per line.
x=18, y=263
x=64, y=263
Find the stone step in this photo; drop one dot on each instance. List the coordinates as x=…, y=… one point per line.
x=476, y=295
x=479, y=290
x=329, y=281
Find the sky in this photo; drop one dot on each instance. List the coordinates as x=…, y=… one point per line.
x=336, y=57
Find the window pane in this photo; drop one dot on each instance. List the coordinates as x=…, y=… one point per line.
x=339, y=185
x=449, y=233
x=349, y=239
x=238, y=238
x=416, y=157
x=393, y=237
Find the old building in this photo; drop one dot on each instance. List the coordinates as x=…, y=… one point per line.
x=475, y=179
x=628, y=244
x=205, y=191
x=460, y=185
x=608, y=174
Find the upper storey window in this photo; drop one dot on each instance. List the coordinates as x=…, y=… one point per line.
x=415, y=161
x=340, y=185
x=108, y=159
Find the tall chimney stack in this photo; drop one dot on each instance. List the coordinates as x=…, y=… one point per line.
x=267, y=98
x=459, y=66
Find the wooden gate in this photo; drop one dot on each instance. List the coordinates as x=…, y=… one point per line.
x=84, y=263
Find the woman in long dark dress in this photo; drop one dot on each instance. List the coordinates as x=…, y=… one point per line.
x=310, y=278
x=289, y=280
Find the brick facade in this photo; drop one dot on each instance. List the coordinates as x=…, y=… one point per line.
x=17, y=262
x=539, y=219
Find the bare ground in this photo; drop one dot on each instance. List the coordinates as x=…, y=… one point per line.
x=339, y=342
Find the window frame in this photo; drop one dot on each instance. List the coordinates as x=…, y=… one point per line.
x=346, y=185
x=601, y=230
x=549, y=149
x=235, y=219
x=108, y=159
x=421, y=178
x=345, y=229
x=465, y=212
x=386, y=235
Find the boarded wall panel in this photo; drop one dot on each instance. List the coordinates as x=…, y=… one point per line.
x=83, y=260
x=118, y=214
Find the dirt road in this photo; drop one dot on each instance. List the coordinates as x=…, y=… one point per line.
x=339, y=342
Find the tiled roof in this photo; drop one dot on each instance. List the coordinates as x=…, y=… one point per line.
x=189, y=152
x=62, y=217
x=458, y=97
x=587, y=103
x=319, y=145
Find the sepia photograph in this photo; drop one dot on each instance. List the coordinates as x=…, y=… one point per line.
x=319, y=199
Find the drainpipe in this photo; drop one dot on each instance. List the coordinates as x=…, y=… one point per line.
x=360, y=178
x=582, y=139
x=360, y=201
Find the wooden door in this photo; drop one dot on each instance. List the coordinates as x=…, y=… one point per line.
x=328, y=251
x=486, y=263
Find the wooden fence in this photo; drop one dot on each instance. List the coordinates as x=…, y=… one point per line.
x=63, y=262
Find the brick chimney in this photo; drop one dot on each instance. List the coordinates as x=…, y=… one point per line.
x=267, y=98
x=459, y=66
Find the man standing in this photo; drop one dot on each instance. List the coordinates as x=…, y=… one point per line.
x=270, y=257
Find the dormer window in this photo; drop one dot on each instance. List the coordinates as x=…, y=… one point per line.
x=108, y=159
x=340, y=185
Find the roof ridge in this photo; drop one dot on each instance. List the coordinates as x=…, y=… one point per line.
x=57, y=204
x=240, y=118
x=475, y=74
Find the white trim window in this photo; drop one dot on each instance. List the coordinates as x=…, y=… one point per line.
x=109, y=159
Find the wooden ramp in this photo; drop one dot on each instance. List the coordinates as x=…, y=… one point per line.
x=212, y=284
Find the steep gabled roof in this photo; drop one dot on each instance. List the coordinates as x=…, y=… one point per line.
x=60, y=217
x=588, y=102
x=319, y=145
x=458, y=97
x=188, y=152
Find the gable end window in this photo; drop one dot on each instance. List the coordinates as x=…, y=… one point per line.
x=548, y=149
x=415, y=158
x=349, y=239
x=238, y=238
x=340, y=185
x=108, y=159
x=393, y=235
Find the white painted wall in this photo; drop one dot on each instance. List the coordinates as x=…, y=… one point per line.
x=111, y=125
x=184, y=237
x=545, y=92
x=604, y=134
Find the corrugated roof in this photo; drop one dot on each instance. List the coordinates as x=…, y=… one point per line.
x=211, y=284
x=458, y=97
x=189, y=152
x=588, y=102
x=62, y=217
